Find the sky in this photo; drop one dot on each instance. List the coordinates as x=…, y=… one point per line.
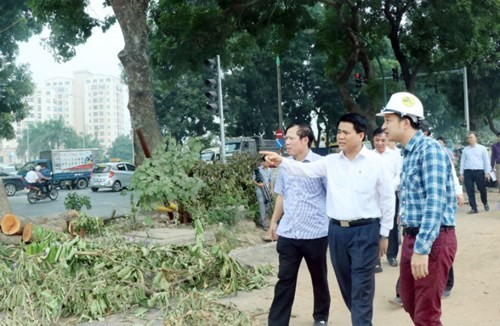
x=99, y=54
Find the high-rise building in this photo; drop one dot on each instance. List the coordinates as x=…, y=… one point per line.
x=94, y=105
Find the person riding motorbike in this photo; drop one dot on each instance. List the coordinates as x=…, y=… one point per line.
x=32, y=179
x=41, y=179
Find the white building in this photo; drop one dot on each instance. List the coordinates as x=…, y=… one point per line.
x=91, y=104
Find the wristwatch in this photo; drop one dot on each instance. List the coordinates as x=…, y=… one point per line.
x=383, y=237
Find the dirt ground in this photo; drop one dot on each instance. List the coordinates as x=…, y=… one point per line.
x=475, y=299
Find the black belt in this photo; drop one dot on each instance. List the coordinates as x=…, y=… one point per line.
x=358, y=222
x=413, y=231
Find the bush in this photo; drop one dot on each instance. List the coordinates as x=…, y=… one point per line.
x=76, y=202
x=226, y=187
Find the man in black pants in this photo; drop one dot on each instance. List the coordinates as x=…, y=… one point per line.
x=302, y=231
x=475, y=168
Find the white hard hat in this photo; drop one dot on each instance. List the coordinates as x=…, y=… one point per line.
x=38, y=168
x=404, y=104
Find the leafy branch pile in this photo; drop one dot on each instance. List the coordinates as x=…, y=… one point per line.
x=55, y=278
x=214, y=191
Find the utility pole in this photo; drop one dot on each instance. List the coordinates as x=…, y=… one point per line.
x=211, y=95
x=466, y=100
x=278, y=78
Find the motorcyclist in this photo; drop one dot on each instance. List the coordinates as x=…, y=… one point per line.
x=33, y=180
x=41, y=178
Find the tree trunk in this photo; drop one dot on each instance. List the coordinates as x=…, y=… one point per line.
x=12, y=224
x=10, y=239
x=132, y=16
x=4, y=201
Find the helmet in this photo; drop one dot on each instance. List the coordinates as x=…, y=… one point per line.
x=404, y=104
x=38, y=168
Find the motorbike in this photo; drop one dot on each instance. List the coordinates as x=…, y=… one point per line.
x=51, y=193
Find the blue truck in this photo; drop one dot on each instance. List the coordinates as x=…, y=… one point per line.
x=69, y=168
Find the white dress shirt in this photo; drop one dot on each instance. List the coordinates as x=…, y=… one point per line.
x=361, y=188
x=394, y=162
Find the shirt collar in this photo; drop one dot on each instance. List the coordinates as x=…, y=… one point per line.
x=363, y=152
x=308, y=157
x=414, y=141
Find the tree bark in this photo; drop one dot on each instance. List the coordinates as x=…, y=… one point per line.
x=10, y=239
x=132, y=17
x=4, y=201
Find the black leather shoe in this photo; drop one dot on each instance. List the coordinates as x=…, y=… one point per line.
x=378, y=269
x=393, y=262
x=486, y=207
x=320, y=322
x=472, y=211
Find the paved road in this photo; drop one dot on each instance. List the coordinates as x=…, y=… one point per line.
x=103, y=203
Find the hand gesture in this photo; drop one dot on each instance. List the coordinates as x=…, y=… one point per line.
x=272, y=157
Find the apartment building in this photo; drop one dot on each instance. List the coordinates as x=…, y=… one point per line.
x=90, y=103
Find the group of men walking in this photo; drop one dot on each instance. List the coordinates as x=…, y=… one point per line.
x=349, y=201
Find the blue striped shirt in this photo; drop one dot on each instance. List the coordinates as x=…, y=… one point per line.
x=304, y=201
x=427, y=192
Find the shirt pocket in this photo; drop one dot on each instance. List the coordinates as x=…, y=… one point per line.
x=365, y=183
x=413, y=180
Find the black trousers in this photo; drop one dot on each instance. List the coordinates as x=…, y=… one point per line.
x=291, y=252
x=477, y=177
x=354, y=255
x=393, y=246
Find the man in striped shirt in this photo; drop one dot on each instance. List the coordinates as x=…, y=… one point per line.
x=360, y=203
x=428, y=207
x=302, y=231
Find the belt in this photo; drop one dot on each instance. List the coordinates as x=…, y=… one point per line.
x=413, y=231
x=358, y=222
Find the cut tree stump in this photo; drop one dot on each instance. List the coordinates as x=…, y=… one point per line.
x=27, y=232
x=12, y=224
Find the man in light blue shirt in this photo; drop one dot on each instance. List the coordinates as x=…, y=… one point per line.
x=475, y=168
x=302, y=231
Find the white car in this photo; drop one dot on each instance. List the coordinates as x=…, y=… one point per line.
x=112, y=175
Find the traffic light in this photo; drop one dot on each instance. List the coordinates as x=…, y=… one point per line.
x=211, y=94
x=395, y=75
x=358, y=80
x=211, y=83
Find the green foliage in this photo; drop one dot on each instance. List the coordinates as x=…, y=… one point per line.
x=91, y=279
x=122, y=149
x=91, y=224
x=166, y=177
x=226, y=188
x=76, y=202
x=181, y=108
x=52, y=134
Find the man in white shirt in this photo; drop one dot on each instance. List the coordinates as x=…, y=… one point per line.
x=394, y=163
x=33, y=180
x=360, y=203
x=475, y=169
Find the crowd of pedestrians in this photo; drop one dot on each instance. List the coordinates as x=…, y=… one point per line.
x=356, y=202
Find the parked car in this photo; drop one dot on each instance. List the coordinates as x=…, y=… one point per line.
x=12, y=183
x=112, y=175
x=10, y=169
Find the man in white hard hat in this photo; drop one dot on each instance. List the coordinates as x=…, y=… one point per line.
x=428, y=207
